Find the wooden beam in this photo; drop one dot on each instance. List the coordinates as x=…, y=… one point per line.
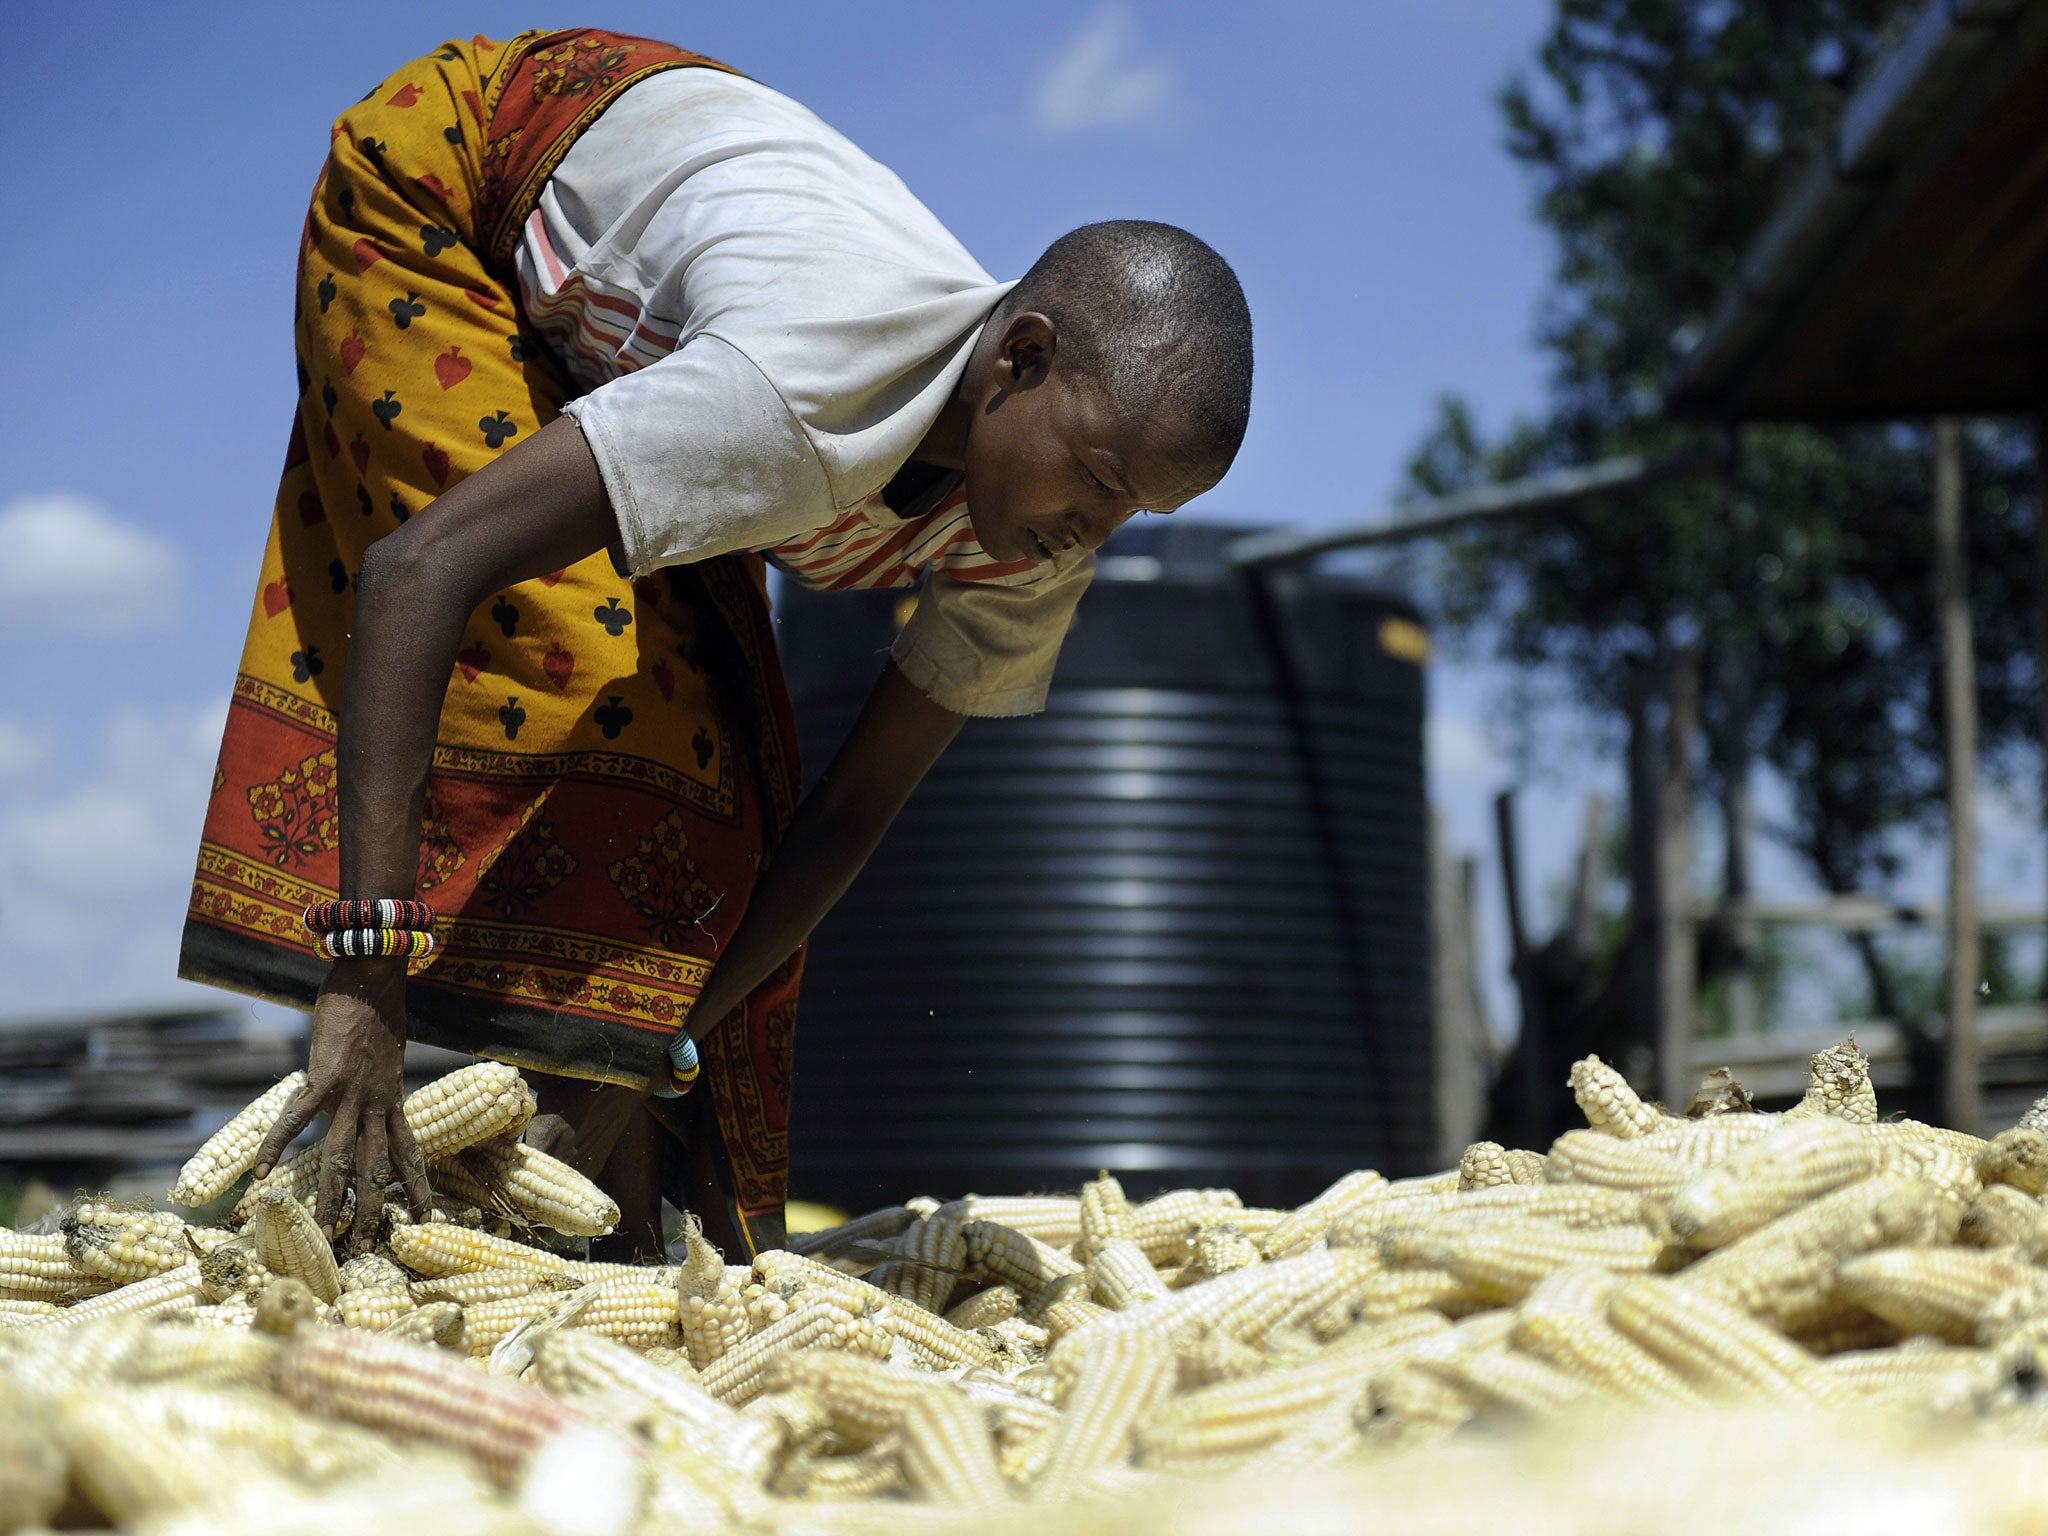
x=1962, y=1089
x=1677, y=943
x=1868, y=914
x=1532, y=1050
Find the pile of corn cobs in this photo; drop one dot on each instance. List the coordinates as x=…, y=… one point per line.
x=925, y=1365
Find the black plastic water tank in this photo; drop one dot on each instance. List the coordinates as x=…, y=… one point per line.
x=1176, y=926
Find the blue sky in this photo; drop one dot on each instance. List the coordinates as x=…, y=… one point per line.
x=1346, y=158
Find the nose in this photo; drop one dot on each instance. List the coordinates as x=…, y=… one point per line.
x=1093, y=530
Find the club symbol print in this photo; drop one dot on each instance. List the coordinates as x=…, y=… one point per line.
x=406, y=310
x=511, y=716
x=612, y=617
x=307, y=665
x=505, y=613
x=387, y=409
x=434, y=239
x=496, y=428
x=701, y=745
x=612, y=717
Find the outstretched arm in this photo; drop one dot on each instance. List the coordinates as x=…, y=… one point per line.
x=537, y=508
x=899, y=735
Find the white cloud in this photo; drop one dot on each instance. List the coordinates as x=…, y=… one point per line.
x=1103, y=80
x=24, y=751
x=1456, y=745
x=68, y=566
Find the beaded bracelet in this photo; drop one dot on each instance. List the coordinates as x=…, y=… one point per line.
x=682, y=1067
x=333, y=916
x=374, y=941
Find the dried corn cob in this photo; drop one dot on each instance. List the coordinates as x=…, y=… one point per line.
x=371, y=1271
x=1052, y=1219
x=123, y=1243
x=283, y=1440
x=1697, y=1144
x=2018, y=1157
x=1564, y=1321
x=877, y=1226
x=948, y=1456
x=864, y=1399
x=175, y=1290
x=285, y=1303
x=1504, y=1260
x=1911, y=1376
x=934, y=1255
x=1301, y=1230
x=713, y=1316
x=422, y=1394
x=233, y=1270
x=36, y=1267
x=764, y=1306
x=1838, y=1085
x=289, y=1242
x=1063, y=1307
x=823, y=1322
x=375, y=1307
x=1125, y=1376
x=33, y=1478
x=1397, y=1292
x=133, y=1470
x=236, y=1312
x=436, y=1323
x=1720, y=1348
x=1792, y=1167
x=231, y=1151
x=1121, y=1277
x=1944, y=1292
x=1484, y=1165
x=470, y=1105
x=1165, y=1225
x=578, y=1364
x=477, y=1286
x=437, y=1248
x=12, y=1311
x=1609, y=1104
x=529, y=1186
x=1011, y=1257
x=1505, y=1379
x=1785, y=1272
x=1595, y=1157
x=1220, y=1245
x=994, y=1304
x=874, y=1473
x=2000, y=1217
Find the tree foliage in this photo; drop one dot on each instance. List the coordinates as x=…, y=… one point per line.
x=1659, y=134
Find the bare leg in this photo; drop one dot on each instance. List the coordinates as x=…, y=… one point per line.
x=603, y=1132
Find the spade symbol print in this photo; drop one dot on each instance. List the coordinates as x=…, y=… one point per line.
x=369, y=507
x=701, y=745
x=434, y=239
x=326, y=290
x=329, y=395
x=305, y=378
x=406, y=310
x=387, y=409
x=612, y=616
x=496, y=429
x=506, y=613
x=452, y=133
x=398, y=508
x=519, y=352
x=612, y=717
x=511, y=716
x=347, y=199
x=374, y=149
x=307, y=665
x=337, y=576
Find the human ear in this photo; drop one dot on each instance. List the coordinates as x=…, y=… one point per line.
x=1029, y=342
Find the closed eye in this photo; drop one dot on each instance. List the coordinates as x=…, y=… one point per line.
x=1097, y=481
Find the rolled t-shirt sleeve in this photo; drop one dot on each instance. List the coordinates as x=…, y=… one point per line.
x=701, y=457
x=986, y=647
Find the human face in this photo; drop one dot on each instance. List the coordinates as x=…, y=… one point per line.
x=1049, y=462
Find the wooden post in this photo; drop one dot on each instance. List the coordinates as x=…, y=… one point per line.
x=2041, y=602
x=1737, y=672
x=1962, y=1087
x=1585, y=919
x=1639, y=958
x=1677, y=942
x=1462, y=1051
x=1532, y=1050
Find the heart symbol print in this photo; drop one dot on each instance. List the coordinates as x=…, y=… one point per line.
x=359, y=450
x=352, y=349
x=470, y=660
x=553, y=576
x=432, y=185
x=277, y=596
x=436, y=460
x=451, y=368
x=331, y=441
x=481, y=299
x=367, y=254
x=665, y=680
x=310, y=510
x=560, y=665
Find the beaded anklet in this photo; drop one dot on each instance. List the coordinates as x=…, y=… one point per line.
x=333, y=916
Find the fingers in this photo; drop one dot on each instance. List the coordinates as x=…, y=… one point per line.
x=374, y=1173
x=337, y=1165
x=553, y=1135
x=297, y=1116
x=409, y=1165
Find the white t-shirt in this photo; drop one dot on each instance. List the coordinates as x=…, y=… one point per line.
x=766, y=323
